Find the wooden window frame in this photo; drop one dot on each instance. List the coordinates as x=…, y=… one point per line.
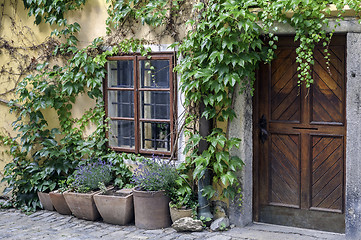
x=137, y=89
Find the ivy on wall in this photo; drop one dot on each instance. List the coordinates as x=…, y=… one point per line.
x=221, y=51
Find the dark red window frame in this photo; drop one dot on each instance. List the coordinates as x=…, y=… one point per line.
x=137, y=90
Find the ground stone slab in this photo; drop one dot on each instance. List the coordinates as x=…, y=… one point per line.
x=15, y=225
x=220, y=224
x=188, y=224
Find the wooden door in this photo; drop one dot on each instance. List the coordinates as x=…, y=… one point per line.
x=300, y=140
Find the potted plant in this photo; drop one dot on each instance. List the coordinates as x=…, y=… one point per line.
x=45, y=177
x=115, y=205
x=44, y=182
x=183, y=200
x=58, y=200
x=45, y=201
x=184, y=205
x=155, y=181
x=85, y=184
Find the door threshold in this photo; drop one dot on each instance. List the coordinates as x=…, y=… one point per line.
x=318, y=234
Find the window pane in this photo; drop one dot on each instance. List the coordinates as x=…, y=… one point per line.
x=154, y=73
x=120, y=74
x=121, y=104
x=155, y=105
x=121, y=134
x=155, y=136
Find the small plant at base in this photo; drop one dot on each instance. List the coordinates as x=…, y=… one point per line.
x=63, y=186
x=222, y=227
x=184, y=196
x=6, y=204
x=205, y=220
x=87, y=177
x=102, y=187
x=121, y=172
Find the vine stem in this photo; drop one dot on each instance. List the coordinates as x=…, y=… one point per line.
x=232, y=107
x=7, y=102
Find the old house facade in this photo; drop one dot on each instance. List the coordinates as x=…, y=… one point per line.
x=300, y=146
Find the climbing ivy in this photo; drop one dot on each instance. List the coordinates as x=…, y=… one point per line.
x=223, y=51
x=46, y=156
x=215, y=59
x=225, y=43
x=154, y=13
x=50, y=11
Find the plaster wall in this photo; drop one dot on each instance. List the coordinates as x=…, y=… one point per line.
x=19, y=30
x=14, y=25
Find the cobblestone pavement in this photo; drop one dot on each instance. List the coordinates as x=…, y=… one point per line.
x=51, y=225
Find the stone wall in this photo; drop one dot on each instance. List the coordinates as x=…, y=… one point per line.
x=353, y=134
x=240, y=211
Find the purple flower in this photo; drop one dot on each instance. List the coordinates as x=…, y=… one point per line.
x=154, y=174
x=89, y=176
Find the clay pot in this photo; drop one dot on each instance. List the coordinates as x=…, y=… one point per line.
x=177, y=213
x=82, y=205
x=45, y=201
x=151, y=209
x=60, y=205
x=115, y=209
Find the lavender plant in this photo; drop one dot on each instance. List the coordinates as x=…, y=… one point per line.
x=155, y=174
x=90, y=176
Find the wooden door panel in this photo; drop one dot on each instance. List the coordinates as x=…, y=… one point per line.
x=285, y=97
x=328, y=90
x=285, y=170
x=327, y=173
x=301, y=164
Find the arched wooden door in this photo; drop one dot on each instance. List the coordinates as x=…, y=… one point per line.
x=300, y=141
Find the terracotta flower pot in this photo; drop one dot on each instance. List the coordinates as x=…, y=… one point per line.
x=60, y=205
x=82, y=205
x=45, y=201
x=177, y=213
x=151, y=209
x=115, y=209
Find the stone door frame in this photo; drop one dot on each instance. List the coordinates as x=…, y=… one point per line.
x=241, y=212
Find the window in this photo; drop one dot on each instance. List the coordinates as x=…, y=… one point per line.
x=140, y=102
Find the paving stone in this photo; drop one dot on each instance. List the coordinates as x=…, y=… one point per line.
x=199, y=234
x=130, y=228
x=219, y=237
x=154, y=231
x=185, y=236
x=170, y=236
x=117, y=234
x=15, y=225
x=136, y=235
x=36, y=214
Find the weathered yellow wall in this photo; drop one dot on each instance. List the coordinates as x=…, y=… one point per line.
x=17, y=28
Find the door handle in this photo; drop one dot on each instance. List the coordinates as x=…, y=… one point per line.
x=263, y=129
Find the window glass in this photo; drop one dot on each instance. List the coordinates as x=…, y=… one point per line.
x=155, y=105
x=154, y=73
x=121, y=134
x=120, y=74
x=121, y=104
x=155, y=136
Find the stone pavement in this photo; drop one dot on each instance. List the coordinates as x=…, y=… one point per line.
x=51, y=225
